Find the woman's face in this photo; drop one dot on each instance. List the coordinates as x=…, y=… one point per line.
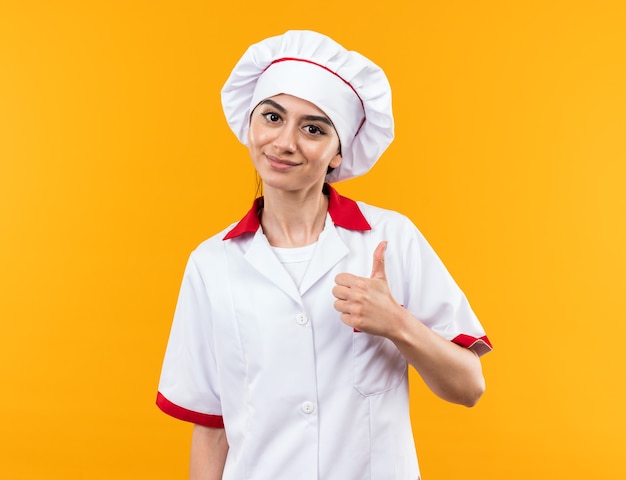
x=292, y=143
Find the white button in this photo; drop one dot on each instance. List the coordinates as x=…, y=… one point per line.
x=308, y=407
x=302, y=319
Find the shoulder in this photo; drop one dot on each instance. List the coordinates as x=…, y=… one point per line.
x=395, y=227
x=212, y=247
x=381, y=217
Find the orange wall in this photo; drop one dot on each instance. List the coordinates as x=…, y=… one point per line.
x=116, y=161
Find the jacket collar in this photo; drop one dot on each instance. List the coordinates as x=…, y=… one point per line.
x=343, y=211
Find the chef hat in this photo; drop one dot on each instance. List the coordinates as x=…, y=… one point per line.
x=352, y=90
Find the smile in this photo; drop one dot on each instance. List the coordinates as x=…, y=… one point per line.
x=280, y=163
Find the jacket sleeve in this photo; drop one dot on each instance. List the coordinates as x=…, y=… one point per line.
x=436, y=300
x=188, y=387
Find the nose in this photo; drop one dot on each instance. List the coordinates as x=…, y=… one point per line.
x=285, y=140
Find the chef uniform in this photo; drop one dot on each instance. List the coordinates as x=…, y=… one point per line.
x=258, y=349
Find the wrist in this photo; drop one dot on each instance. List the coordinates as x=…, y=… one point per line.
x=403, y=325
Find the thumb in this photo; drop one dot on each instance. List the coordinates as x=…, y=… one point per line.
x=378, y=266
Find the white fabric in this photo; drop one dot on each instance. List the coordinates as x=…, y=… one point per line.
x=366, y=78
x=295, y=260
x=303, y=396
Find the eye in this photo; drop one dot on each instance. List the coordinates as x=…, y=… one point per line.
x=314, y=130
x=271, y=117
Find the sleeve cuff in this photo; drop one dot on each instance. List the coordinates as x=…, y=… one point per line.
x=480, y=345
x=181, y=413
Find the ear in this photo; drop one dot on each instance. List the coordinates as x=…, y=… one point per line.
x=336, y=161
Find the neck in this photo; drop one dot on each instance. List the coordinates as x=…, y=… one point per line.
x=293, y=219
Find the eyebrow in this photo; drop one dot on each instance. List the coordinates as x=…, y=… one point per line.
x=311, y=118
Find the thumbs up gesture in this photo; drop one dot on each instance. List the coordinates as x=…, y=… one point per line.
x=366, y=304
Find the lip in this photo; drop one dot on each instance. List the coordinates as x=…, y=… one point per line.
x=280, y=163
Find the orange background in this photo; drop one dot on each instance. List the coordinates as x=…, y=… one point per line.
x=116, y=162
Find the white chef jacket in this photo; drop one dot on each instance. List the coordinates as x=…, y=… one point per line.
x=301, y=394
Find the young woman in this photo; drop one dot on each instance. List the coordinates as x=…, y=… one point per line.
x=295, y=326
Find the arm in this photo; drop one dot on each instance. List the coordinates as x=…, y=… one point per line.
x=452, y=372
x=209, y=447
